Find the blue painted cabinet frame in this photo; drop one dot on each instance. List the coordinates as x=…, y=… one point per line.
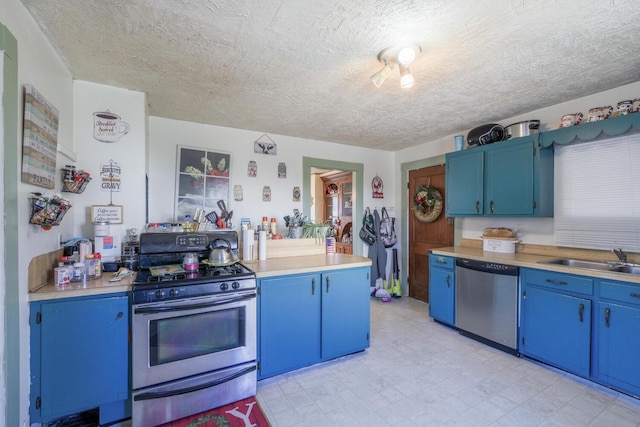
x=80, y=357
x=304, y=319
x=442, y=288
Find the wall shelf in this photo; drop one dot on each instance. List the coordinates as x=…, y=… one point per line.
x=612, y=126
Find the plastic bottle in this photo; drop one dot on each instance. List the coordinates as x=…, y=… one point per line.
x=265, y=223
x=188, y=225
x=78, y=272
x=90, y=267
x=98, y=261
x=273, y=226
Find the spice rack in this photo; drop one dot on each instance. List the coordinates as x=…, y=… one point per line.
x=47, y=210
x=74, y=181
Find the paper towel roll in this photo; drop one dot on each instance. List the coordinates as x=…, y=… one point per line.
x=262, y=245
x=247, y=244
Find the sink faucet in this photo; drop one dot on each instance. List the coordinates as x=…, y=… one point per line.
x=620, y=254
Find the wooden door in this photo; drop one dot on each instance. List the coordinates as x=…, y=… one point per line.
x=424, y=236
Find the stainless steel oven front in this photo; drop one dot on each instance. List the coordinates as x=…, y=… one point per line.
x=193, y=352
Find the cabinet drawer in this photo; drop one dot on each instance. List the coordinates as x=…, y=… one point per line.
x=623, y=292
x=442, y=261
x=559, y=281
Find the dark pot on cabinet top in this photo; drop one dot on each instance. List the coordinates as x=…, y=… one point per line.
x=485, y=134
x=525, y=128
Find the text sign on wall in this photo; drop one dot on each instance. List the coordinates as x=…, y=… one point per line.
x=106, y=213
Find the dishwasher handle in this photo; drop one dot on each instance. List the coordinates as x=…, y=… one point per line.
x=487, y=267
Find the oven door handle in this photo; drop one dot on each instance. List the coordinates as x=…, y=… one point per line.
x=161, y=394
x=152, y=310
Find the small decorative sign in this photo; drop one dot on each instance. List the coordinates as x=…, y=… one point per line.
x=109, y=127
x=113, y=214
x=252, y=169
x=296, y=194
x=282, y=170
x=265, y=145
x=376, y=186
x=110, y=173
x=266, y=194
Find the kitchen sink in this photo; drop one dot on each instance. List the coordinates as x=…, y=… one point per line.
x=577, y=263
x=614, y=267
x=629, y=269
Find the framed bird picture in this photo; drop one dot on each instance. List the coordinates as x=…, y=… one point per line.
x=265, y=145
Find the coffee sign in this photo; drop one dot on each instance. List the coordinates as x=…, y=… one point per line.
x=109, y=127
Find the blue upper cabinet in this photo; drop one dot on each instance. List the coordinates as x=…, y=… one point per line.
x=507, y=179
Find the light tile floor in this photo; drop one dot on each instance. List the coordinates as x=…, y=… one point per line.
x=420, y=373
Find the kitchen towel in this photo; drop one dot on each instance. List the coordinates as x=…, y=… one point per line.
x=262, y=245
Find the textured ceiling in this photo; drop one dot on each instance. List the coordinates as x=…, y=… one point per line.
x=302, y=67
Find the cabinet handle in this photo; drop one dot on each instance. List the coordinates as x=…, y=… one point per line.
x=607, y=314
x=448, y=281
x=634, y=295
x=119, y=315
x=328, y=282
x=477, y=206
x=491, y=206
x=580, y=311
x=557, y=282
x=313, y=286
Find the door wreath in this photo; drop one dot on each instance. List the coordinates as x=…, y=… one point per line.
x=427, y=203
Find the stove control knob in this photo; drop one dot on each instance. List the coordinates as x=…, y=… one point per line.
x=173, y=293
x=160, y=294
x=224, y=286
x=235, y=285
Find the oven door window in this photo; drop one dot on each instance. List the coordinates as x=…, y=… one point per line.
x=184, y=337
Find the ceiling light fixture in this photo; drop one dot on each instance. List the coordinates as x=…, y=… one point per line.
x=401, y=55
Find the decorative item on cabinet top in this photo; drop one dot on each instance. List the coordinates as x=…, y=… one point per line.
x=74, y=181
x=47, y=209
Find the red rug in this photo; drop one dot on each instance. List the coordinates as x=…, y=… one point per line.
x=243, y=413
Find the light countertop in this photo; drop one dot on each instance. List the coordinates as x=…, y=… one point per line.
x=268, y=268
x=530, y=261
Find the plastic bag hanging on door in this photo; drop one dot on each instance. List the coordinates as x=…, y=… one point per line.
x=387, y=229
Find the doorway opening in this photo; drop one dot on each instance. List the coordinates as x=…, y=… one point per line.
x=310, y=193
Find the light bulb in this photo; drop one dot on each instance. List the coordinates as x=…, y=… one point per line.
x=379, y=77
x=406, y=78
x=406, y=55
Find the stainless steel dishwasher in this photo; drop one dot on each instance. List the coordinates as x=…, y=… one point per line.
x=487, y=302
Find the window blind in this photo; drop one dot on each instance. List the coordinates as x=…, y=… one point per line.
x=597, y=194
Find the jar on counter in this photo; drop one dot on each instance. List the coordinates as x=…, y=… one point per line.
x=78, y=272
x=90, y=267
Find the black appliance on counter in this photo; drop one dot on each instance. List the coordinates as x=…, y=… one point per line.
x=194, y=331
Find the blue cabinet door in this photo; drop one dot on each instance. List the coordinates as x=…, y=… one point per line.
x=345, y=312
x=82, y=355
x=509, y=180
x=465, y=183
x=289, y=323
x=619, y=347
x=556, y=329
x=441, y=295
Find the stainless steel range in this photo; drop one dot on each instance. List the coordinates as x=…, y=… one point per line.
x=193, y=328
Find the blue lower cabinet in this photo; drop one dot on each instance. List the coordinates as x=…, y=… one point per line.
x=442, y=288
x=618, y=346
x=556, y=329
x=305, y=319
x=80, y=357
